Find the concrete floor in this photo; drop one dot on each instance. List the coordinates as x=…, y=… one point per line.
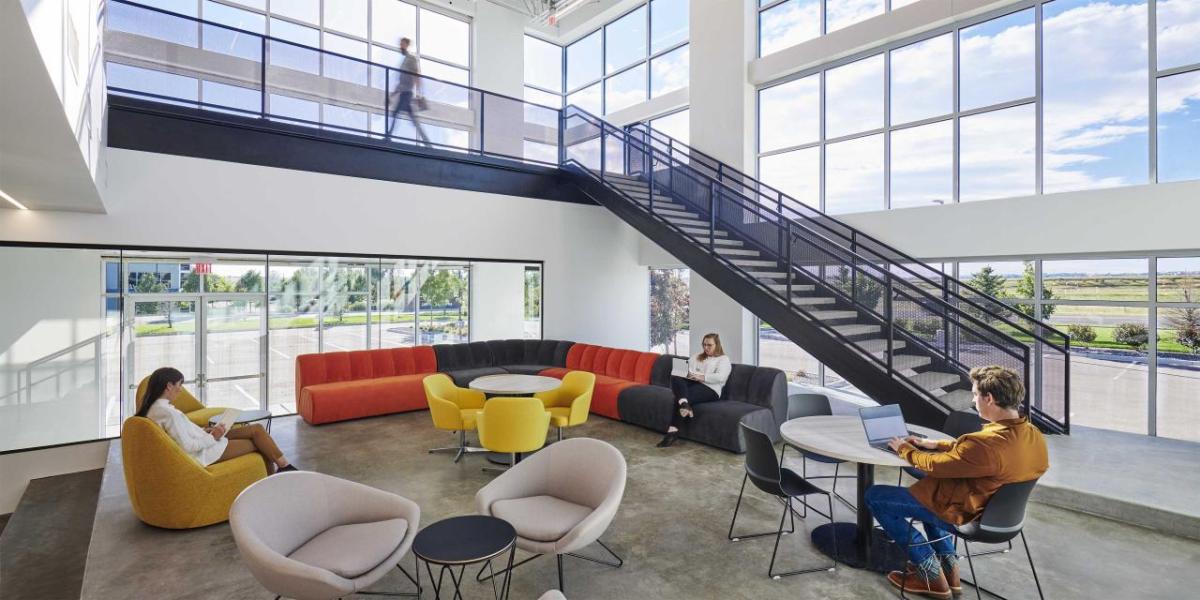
x=671, y=530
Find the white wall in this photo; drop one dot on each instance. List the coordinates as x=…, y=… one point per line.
x=498, y=46
x=595, y=290
x=497, y=301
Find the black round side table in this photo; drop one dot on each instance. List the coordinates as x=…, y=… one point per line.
x=457, y=542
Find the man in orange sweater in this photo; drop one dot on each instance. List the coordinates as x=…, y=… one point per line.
x=960, y=476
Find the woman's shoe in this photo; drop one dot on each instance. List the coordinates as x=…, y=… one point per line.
x=685, y=409
x=668, y=439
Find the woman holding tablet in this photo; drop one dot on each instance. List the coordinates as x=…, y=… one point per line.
x=207, y=445
x=707, y=372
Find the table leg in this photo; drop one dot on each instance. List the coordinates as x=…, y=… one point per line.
x=859, y=544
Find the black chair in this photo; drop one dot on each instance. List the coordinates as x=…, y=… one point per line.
x=1002, y=520
x=813, y=405
x=762, y=468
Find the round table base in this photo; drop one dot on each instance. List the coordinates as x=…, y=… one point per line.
x=885, y=556
x=500, y=458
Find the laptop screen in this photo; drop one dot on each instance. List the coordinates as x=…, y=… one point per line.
x=883, y=422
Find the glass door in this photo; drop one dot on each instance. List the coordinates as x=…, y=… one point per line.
x=162, y=333
x=232, y=371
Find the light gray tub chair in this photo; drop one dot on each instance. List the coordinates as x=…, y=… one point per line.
x=310, y=536
x=559, y=500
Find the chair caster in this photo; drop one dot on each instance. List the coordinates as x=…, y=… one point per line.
x=776, y=578
x=736, y=540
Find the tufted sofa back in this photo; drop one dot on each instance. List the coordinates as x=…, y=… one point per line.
x=494, y=353
x=629, y=365
x=331, y=367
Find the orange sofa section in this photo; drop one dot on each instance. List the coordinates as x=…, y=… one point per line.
x=615, y=370
x=336, y=386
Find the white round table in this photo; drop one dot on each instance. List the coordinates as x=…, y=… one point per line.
x=514, y=385
x=511, y=385
x=843, y=437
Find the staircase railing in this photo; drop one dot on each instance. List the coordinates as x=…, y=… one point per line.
x=1051, y=347
x=901, y=309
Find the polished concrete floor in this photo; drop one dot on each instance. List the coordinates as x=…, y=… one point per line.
x=671, y=530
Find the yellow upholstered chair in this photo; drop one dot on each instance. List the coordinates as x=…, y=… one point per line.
x=168, y=488
x=570, y=402
x=186, y=403
x=513, y=425
x=453, y=409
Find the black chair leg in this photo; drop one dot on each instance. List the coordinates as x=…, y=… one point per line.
x=560, y=575
x=738, y=506
x=787, y=509
x=1031, y=567
x=974, y=578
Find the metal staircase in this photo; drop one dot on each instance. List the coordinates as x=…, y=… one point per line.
x=899, y=330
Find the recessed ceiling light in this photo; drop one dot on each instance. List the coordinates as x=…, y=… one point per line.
x=13, y=200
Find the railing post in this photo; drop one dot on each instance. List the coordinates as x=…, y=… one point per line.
x=788, y=240
x=712, y=216
x=946, y=326
x=387, y=108
x=482, y=119
x=650, y=186
x=262, y=74
x=891, y=324
x=562, y=127
x=1028, y=387
x=603, y=150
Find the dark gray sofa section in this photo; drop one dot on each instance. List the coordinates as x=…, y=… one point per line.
x=464, y=362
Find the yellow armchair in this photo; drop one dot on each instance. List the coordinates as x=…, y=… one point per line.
x=167, y=488
x=570, y=402
x=187, y=404
x=453, y=409
x=513, y=425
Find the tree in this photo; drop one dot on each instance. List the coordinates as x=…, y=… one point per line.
x=1186, y=322
x=863, y=288
x=669, y=298
x=1025, y=290
x=190, y=283
x=1082, y=333
x=149, y=283
x=1133, y=335
x=250, y=281
x=533, y=293
x=988, y=281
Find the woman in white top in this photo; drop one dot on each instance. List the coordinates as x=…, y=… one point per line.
x=706, y=376
x=205, y=444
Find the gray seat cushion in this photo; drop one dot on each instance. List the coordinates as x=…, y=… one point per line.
x=648, y=406
x=351, y=550
x=526, y=369
x=462, y=377
x=541, y=518
x=716, y=423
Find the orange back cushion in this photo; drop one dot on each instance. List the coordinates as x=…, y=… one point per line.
x=645, y=364
x=600, y=361
x=628, y=365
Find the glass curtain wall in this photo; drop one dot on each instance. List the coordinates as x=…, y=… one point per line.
x=670, y=298
x=1135, y=335
x=640, y=55
x=1045, y=97
x=84, y=326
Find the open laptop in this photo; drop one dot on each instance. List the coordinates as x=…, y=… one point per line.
x=882, y=423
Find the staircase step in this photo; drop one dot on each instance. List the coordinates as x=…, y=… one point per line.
x=750, y=252
x=796, y=287
x=770, y=275
x=724, y=242
x=854, y=329
x=686, y=221
x=755, y=263
x=904, y=362
x=935, y=380
x=959, y=400
x=812, y=300
x=45, y=542
x=877, y=346
x=833, y=315
x=704, y=232
x=673, y=212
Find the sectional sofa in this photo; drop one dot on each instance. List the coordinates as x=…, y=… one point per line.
x=631, y=386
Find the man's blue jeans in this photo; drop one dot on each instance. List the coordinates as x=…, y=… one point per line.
x=892, y=505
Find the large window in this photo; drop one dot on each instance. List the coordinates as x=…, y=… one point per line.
x=642, y=54
x=88, y=324
x=1135, y=336
x=783, y=23
x=670, y=297
x=975, y=111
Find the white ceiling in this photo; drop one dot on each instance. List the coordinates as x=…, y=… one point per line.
x=41, y=164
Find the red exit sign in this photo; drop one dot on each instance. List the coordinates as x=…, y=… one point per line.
x=202, y=268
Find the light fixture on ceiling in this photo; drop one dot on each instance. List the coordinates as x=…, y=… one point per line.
x=13, y=201
x=545, y=12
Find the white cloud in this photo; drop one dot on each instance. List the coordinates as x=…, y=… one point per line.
x=843, y=13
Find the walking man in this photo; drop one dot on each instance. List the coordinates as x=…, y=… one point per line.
x=406, y=90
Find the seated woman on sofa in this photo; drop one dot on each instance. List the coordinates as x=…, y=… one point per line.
x=208, y=444
x=707, y=373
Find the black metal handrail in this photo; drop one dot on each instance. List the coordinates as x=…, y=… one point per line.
x=849, y=259
x=894, y=257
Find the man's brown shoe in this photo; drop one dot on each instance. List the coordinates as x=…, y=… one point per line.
x=952, y=579
x=913, y=582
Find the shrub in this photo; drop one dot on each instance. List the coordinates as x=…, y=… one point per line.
x=1133, y=335
x=1082, y=333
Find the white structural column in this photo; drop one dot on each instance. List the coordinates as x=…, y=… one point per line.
x=722, y=114
x=497, y=301
x=497, y=65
